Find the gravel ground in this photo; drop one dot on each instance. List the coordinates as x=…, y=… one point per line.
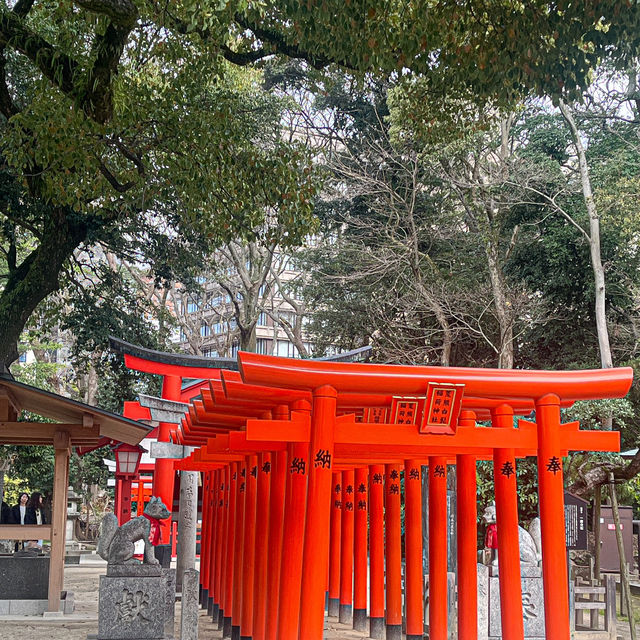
x=83, y=581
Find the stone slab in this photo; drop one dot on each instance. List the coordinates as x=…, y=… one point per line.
x=483, y=602
x=169, y=576
x=131, y=608
x=24, y=577
x=190, y=606
x=532, y=608
x=4, y=607
x=69, y=603
x=27, y=607
x=134, y=570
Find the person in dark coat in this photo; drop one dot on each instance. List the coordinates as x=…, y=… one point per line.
x=19, y=511
x=6, y=517
x=35, y=510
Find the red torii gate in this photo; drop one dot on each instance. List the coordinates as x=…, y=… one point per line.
x=315, y=438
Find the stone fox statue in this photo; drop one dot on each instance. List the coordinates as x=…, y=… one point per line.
x=116, y=544
x=529, y=541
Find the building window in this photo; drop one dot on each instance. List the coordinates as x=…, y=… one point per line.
x=287, y=349
x=235, y=347
x=210, y=353
x=193, y=305
x=205, y=330
x=183, y=335
x=263, y=346
x=262, y=319
x=217, y=328
x=233, y=324
x=216, y=302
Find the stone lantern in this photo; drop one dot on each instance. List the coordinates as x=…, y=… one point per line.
x=73, y=513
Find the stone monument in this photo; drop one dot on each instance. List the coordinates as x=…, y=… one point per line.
x=489, y=622
x=136, y=600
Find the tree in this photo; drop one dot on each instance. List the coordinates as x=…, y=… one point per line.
x=105, y=102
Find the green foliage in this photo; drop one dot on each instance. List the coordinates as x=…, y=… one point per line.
x=527, y=479
x=13, y=487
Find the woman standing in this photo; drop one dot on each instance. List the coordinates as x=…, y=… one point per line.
x=35, y=512
x=19, y=511
x=19, y=514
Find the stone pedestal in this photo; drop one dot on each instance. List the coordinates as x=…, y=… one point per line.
x=532, y=608
x=489, y=622
x=136, y=602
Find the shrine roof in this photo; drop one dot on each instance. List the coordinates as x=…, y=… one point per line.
x=102, y=424
x=505, y=384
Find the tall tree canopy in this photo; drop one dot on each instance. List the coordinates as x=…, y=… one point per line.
x=129, y=123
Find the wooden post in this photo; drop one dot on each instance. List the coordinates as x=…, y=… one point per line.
x=376, y=551
x=203, y=540
x=504, y=479
x=413, y=578
x=224, y=558
x=438, y=548
x=229, y=550
x=316, y=535
x=215, y=518
x=346, y=548
x=597, y=501
x=292, y=542
x=467, y=528
x=624, y=567
x=220, y=528
x=360, y=552
x=262, y=548
x=62, y=445
x=335, y=537
x=393, y=552
x=249, y=550
x=164, y=475
x=238, y=548
x=206, y=540
x=276, y=526
x=551, y=501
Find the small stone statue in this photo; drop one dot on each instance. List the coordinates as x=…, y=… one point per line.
x=529, y=541
x=116, y=544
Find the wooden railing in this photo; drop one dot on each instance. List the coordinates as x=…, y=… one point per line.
x=25, y=532
x=595, y=598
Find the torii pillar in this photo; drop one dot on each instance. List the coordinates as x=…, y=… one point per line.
x=163, y=478
x=316, y=535
x=551, y=499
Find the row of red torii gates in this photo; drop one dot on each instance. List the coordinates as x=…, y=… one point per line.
x=301, y=465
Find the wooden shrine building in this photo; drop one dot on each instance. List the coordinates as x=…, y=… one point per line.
x=77, y=425
x=302, y=464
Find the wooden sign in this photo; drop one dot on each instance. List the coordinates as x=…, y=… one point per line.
x=375, y=415
x=442, y=408
x=406, y=410
x=575, y=521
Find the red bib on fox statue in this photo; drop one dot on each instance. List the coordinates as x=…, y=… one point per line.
x=154, y=533
x=491, y=537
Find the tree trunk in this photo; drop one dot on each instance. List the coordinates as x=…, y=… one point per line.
x=36, y=277
x=594, y=241
x=505, y=316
